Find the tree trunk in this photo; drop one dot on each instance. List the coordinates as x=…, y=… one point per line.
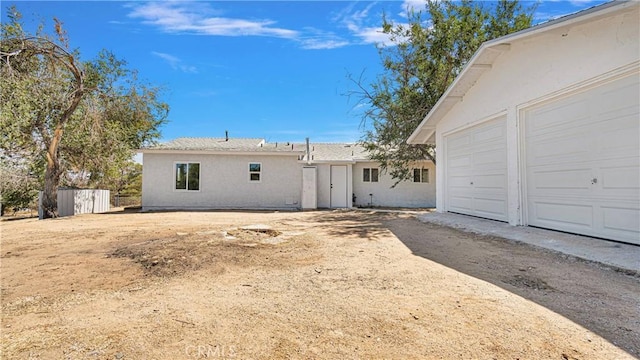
x=52, y=177
x=50, y=193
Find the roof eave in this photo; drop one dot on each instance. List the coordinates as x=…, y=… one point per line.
x=328, y=161
x=219, y=152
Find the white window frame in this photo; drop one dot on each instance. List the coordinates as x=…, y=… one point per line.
x=422, y=179
x=175, y=174
x=370, y=172
x=259, y=172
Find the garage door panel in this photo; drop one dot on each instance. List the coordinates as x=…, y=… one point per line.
x=558, y=213
x=459, y=143
x=490, y=181
x=461, y=204
x=476, y=177
x=563, y=179
x=618, y=136
x=490, y=157
x=621, y=178
x=620, y=95
x=621, y=220
x=493, y=133
x=583, y=173
x=460, y=162
x=571, y=148
x=562, y=116
x=491, y=208
x=460, y=181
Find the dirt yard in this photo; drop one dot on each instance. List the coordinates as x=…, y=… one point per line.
x=317, y=285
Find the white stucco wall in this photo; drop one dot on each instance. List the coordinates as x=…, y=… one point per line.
x=554, y=62
x=405, y=194
x=224, y=182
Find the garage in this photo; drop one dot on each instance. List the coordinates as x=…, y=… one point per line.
x=476, y=165
x=542, y=127
x=583, y=161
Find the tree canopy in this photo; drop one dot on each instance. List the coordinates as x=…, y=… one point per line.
x=426, y=55
x=75, y=121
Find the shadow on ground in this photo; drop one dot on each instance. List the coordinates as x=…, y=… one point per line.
x=343, y=223
x=599, y=298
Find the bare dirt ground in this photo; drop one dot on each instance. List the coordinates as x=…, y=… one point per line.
x=324, y=285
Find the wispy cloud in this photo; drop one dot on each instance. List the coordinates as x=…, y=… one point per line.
x=575, y=6
x=316, y=39
x=175, y=62
x=200, y=18
x=358, y=22
x=412, y=5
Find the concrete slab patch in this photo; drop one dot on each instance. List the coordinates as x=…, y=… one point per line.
x=623, y=256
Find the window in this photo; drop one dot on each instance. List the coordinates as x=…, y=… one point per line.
x=421, y=175
x=255, y=170
x=370, y=175
x=188, y=176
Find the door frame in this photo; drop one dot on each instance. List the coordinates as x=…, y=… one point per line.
x=445, y=138
x=346, y=186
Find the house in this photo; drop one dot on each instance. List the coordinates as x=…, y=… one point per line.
x=542, y=127
x=232, y=173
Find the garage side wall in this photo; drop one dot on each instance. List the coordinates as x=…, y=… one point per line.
x=549, y=63
x=405, y=194
x=224, y=182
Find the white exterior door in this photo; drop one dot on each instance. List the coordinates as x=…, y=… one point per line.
x=476, y=170
x=582, y=160
x=338, y=186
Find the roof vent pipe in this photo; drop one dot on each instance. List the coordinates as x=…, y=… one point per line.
x=226, y=135
x=308, y=153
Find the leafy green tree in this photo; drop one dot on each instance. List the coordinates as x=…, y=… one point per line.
x=426, y=56
x=18, y=185
x=103, y=110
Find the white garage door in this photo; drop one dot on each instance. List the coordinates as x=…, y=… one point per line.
x=583, y=162
x=476, y=170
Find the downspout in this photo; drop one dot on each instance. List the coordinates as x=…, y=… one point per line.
x=308, y=153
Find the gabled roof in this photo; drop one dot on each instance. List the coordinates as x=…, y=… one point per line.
x=486, y=55
x=222, y=145
x=336, y=152
x=320, y=152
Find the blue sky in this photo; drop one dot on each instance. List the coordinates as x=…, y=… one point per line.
x=270, y=69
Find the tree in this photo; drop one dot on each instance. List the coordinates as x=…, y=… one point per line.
x=103, y=110
x=426, y=56
x=18, y=185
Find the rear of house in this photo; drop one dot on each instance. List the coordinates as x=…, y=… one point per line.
x=192, y=173
x=373, y=187
x=227, y=173
x=542, y=127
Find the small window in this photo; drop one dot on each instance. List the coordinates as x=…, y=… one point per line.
x=255, y=170
x=187, y=176
x=421, y=175
x=370, y=175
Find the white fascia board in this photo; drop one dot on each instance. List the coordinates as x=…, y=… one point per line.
x=218, y=152
x=342, y=162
